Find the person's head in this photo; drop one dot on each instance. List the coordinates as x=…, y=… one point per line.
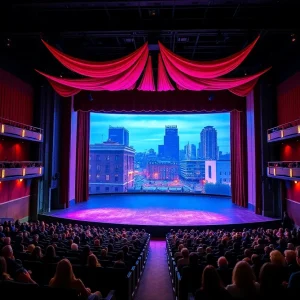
x=125, y=249
x=290, y=256
x=97, y=243
x=30, y=248
x=247, y=253
x=222, y=262
x=255, y=259
x=211, y=279
x=50, y=251
x=7, y=241
x=200, y=250
x=74, y=247
x=93, y=261
x=243, y=276
x=269, y=277
x=185, y=252
x=64, y=274
x=298, y=255
x=37, y=252
x=277, y=258
x=193, y=259
x=7, y=251
x=180, y=247
x=103, y=252
x=290, y=246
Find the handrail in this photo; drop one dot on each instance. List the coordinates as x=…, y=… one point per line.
x=20, y=164
x=284, y=126
x=284, y=164
x=20, y=125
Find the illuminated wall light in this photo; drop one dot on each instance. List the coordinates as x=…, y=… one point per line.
x=296, y=181
x=40, y=170
x=2, y=128
x=281, y=133
x=23, y=132
x=23, y=172
x=269, y=136
x=298, y=129
x=274, y=172
x=40, y=137
x=2, y=173
x=21, y=180
x=291, y=172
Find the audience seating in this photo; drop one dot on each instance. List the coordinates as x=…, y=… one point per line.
x=113, y=283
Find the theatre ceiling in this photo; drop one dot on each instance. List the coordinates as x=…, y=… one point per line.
x=104, y=30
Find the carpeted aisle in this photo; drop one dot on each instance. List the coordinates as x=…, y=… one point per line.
x=156, y=282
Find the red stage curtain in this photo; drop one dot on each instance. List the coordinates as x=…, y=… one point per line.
x=238, y=150
x=82, y=157
x=66, y=150
x=147, y=83
x=98, y=69
x=16, y=99
x=204, y=69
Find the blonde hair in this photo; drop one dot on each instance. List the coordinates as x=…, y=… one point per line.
x=64, y=275
x=243, y=276
x=93, y=261
x=277, y=258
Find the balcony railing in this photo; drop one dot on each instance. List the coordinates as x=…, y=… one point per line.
x=289, y=170
x=284, y=131
x=20, y=169
x=19, y=130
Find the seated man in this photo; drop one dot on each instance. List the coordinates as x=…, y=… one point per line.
x=14, y=267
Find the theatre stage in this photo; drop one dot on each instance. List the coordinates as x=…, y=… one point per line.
x=161, y=210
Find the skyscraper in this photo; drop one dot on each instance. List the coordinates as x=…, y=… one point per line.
x=119, y=135
x=171, y=143
x=208, y=140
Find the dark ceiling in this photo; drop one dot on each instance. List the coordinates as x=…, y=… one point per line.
x=103, y=30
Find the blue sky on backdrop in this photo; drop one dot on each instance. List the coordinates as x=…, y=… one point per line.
x=147, y=131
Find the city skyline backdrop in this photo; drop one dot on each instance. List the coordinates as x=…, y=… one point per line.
x=147, y=131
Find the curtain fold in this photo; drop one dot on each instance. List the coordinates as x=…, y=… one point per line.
x=210, y=69
x=238, y=152
x=147, y=83
x=163, y=81
x=82, y=157
x=97, y=69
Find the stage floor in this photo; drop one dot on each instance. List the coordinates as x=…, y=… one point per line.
x=160, y=210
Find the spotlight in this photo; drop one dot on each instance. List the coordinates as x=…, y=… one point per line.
x=245, y=73
x=296, y=181
x=90, y=97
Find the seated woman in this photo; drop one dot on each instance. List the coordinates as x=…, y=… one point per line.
x=65, y=278
x=93, y=261
x=3, y=270
x=212, y=287
x=119, y=263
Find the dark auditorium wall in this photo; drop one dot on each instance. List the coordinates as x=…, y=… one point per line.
x=16, y=104
x=288, y=109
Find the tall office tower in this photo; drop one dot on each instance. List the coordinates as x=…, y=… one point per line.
x=119, y=135
x=188, y=151
x=171, y=143
x=208, y=138
x=193, y=151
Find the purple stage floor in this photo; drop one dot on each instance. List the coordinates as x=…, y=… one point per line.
x=160, y=210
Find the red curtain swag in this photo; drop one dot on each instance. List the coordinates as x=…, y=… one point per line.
x=98, y=69
x=123, y=74
x=211, y=69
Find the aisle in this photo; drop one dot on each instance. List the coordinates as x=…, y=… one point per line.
x=156, y=283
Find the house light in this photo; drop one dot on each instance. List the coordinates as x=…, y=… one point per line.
x=291, y=172
x=23, y=172
x=281, y=133
x=2, y=173
x=23, y=132
x=2, y=128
